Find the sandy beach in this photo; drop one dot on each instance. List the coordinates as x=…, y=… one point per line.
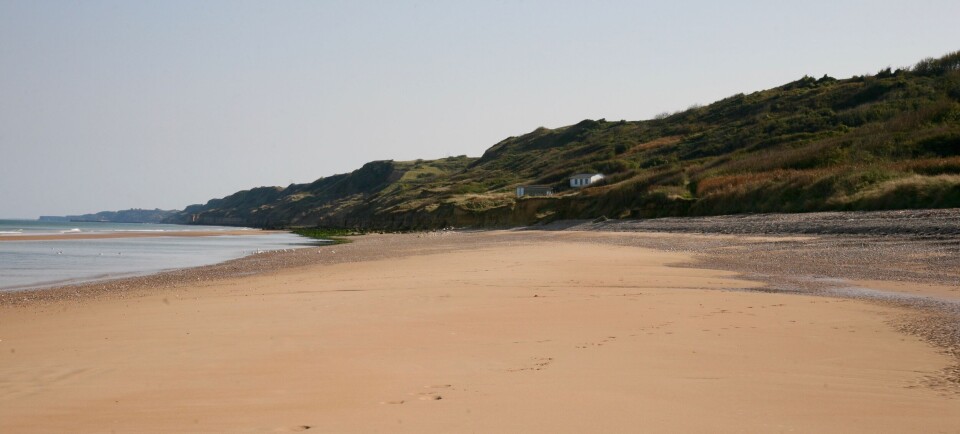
x=498, y=331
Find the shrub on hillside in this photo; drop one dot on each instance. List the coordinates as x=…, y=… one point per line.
x=941, y=66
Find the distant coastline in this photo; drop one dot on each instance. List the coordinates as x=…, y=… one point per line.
x=134, y=215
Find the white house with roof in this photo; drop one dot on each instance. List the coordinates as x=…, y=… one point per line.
x=584, y=179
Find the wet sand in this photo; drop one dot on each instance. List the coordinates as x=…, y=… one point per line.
x=95, y=236
x=466, y=332
x=945, y=292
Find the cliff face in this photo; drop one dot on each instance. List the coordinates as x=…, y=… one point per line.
x=887, y=141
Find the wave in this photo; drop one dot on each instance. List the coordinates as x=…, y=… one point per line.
x=71, y=231
x=18, y=231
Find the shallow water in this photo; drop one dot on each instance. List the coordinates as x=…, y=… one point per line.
x=37, y=264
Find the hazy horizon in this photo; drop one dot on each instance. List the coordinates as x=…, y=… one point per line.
x=111, y=105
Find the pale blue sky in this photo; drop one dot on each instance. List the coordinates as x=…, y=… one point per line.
x=116, y=104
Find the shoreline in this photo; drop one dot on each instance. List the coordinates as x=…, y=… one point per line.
x=366, y=288
x=79, y=279
x=131, y=234
x=896, y=286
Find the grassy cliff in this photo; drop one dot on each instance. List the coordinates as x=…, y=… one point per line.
x=884, y=141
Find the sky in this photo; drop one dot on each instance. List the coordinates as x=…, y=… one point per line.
x=108, y=105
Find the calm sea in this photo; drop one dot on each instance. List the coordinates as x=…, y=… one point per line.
x=37, y=264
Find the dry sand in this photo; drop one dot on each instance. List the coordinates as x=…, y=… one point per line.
x=553, y=334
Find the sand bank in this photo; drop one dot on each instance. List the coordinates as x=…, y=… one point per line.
x=96, y=236
x=496, y=332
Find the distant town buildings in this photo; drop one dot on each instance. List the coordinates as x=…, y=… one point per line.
x=534, y=190
x=577, y=181
x=584, y=179
x=212, y=220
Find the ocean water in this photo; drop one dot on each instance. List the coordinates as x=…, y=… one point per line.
x=45, y=263
x=36, y=227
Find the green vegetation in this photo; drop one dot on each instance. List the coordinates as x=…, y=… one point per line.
x=884, y=141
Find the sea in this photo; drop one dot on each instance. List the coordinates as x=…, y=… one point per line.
x=46, y=263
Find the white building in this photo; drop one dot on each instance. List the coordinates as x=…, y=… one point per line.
x=585, y=179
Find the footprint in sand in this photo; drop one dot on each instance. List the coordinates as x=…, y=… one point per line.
x=539, y=363
x=433, y=396
x=430, y=396
x=598, y=344
x=423, y=396
x=296, y=428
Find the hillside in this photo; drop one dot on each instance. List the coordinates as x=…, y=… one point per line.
x=884, y=141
